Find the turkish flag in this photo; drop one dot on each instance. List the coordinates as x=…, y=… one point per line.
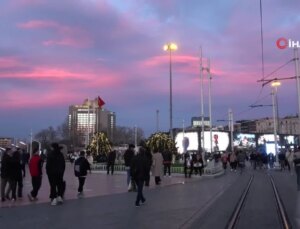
x=100, y=102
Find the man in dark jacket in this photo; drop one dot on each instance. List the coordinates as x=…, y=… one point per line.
x=128, y=155
x=4, y=173
x=139, y=170
x=13, y=172
x=111, y=162
x=167, y=155
x=81, y=166
x=55, y=169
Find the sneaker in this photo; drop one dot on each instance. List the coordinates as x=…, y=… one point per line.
x=137, y=205
x=143, y=202
x=54, y=202
x=59, y=200
x=80, y=194
x=30, y=197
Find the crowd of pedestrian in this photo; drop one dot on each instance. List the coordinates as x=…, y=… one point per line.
x=139, y=165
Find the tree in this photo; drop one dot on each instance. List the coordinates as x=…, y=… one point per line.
x=160, y=142
x=100, y=144
x=46, y=137
x=126, y=135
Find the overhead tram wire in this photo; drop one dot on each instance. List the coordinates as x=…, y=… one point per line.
x=262, y=67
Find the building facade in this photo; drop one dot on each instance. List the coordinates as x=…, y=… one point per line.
x=197, y=121
x=87, y=119
x=287, y=125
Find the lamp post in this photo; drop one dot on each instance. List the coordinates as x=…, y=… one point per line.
x=170, y=47
x=275, y=85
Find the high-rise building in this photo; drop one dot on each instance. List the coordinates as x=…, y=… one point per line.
x=87, y=119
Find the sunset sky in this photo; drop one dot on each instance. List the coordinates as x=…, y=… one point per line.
x=54, y=53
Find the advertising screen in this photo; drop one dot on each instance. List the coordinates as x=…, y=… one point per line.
x=220, y=141
x=187, y=141
x=289, y=140
x=266, y=138
x=244, y=140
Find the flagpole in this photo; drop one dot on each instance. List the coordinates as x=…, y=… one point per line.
x=88, y=128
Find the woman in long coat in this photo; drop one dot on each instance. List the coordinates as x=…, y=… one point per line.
x=157, y=167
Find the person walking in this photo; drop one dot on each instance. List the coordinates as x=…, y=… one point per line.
x=233, y=161
x=224, y=159
x=139, y=170
x=167, y=156
x=157, y=167
x=149, y=164
x=55, y=169
x=241, y=160
x=81, y=166
x=297, y=166
x=111, y=162
x=17, y=157
x=13, y=171
x=128, y=156
x=289, y=156
x=35, y=169
x=4, y=173
x=186, y=164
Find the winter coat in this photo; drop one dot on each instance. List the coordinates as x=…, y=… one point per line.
x=55, y=163
x=81, y=166
x=111, y=157
x=139, y=167
x=14, y=169
x=157, y=164
x=167, y=156
x=128, y=155
x=4, y=162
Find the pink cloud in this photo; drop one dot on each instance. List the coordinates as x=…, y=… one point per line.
x=9, y=62
x=69, y=36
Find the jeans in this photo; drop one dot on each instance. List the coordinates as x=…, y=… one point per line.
x=36, y=184
x=81, y=183
x=4, y=182
x=56, y=185
x=20, y=186
x=128, y=176
x=112, y=165
x=140, y=196
x=297, y=168
x=167, y=167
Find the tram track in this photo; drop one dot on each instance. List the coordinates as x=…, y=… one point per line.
x=242, y=204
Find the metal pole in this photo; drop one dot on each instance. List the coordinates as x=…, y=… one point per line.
x=31, y=143
x=157, y=120
x=274, y=120
x=296, y=56
x=135, y=136
x=202, y=102
x=230, y=114
x=209, y=101
x=171, y=111
x=88, y=127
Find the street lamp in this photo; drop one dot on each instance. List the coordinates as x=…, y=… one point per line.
x=170, y=47
x=275, y=84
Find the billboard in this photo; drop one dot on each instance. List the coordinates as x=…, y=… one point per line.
x=187, y=141
x=220, y=141
x=244, y=140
